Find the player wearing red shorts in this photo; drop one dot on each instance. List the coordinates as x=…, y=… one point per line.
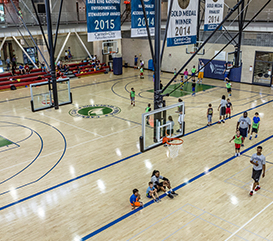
x=238, y=139
x=228, y=109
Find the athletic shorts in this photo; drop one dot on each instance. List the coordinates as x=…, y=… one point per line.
x=223, y=110
x=168, y=132
x=135, y=63
x=209, y=118
x=132, y=98
x=227, y=110
x=228, y=90
x=186, y=76
x=160, y=185
x=227, y=74
x=148, y=195
x=193, y=89
x=193, y=74
x=254, y=130
x=200, y=75
x=256, y=174
x=243, y=132
x=237, y=146
x=180, y=119
x=137, y=204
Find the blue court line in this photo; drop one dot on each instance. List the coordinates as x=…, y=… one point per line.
x=27, y=166
x=68, y=181
x=175, y=189
x=104, y=167
x=9, y=149
x=64, y=151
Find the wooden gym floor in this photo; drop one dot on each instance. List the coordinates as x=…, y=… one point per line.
x=70, y=178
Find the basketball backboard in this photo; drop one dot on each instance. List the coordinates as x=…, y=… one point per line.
x=110, y=47
x=191, y=49
x=156, y=124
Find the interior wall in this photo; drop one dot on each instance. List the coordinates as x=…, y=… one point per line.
x=175, y=57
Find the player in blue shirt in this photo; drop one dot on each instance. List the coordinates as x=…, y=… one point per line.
x=152, y=192
x=134, y=199
x=255, y=125
x=135, y=60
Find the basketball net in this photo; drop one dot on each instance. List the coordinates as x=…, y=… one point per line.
x=174, y=145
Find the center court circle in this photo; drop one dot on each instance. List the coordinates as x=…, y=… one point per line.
x=95, y=111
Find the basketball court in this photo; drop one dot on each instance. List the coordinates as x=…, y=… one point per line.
x=67, y=173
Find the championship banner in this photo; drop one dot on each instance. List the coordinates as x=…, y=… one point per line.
x=183, y=22
x=103, y=19
x=138, y=24
x=214, y=10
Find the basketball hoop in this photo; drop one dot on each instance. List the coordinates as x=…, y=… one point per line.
x=174, y=145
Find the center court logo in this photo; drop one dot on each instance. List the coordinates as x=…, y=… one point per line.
x=95, y=111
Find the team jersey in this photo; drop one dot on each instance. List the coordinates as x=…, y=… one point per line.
x=238, y=139
x=256, y=122
x=228, y=85
x=148, y=109
x=210, y=111
x=133, y=93
x=193, y=70
x=229, y=105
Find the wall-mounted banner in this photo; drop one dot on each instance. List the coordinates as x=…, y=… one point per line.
x=138, y=25
x=214, y=10
x=183, y=22
x=103, y=19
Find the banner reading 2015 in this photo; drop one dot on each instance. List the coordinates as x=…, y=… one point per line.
x=183, y=22
x=138, y=24
x=103, y=19
x=213, y=14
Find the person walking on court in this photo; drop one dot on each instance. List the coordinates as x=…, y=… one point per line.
x=134, y=199
x=244, y=125
x=255, y=125
x=201, y=72
x=228, y=85
x=258, y=161
x=209, y=115
x=222, y=110
x=193, y=71
x=228, y=109
x=132, y=96
x=135, y=62
x=162, y=185
x=148, y=109
x=180, y=117
x=186, y=73
x=238, y=139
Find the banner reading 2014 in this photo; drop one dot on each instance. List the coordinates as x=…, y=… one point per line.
x=183, y=22
x=138, y=24
x=103, y=19
x=213, y=14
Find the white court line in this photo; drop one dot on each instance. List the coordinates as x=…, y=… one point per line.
x=51, y=153
x=42, y=114
x=249, y=221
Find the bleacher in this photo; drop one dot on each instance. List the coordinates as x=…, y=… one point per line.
x=7, y=81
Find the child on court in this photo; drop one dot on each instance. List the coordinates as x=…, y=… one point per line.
x=135, y=60
x=186, y=73
x=193, y=71
x=255, y=125
x=193, y=87
x=151, y=192
x=229, y=108
x=132, y=96
x=148, y=108
x=134, y=199
x=209, y=115
x=201, y=72
x=141, y=73
x=238, y=139
x=228, y=85
x=222, y=110
x=181, y=83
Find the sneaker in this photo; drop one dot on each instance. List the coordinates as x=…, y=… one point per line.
x=257, y=189
x=239, y=154
x=250, y=137
x=235, y=154
x=219, y=122
x=156, y=200
x=174, y=193
x=178, y=130
x=223, y=121
x=170, y=196
x=242, y=145
x=229, y=117
x=207, y=124
x=256, y=136
x=251, y=193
